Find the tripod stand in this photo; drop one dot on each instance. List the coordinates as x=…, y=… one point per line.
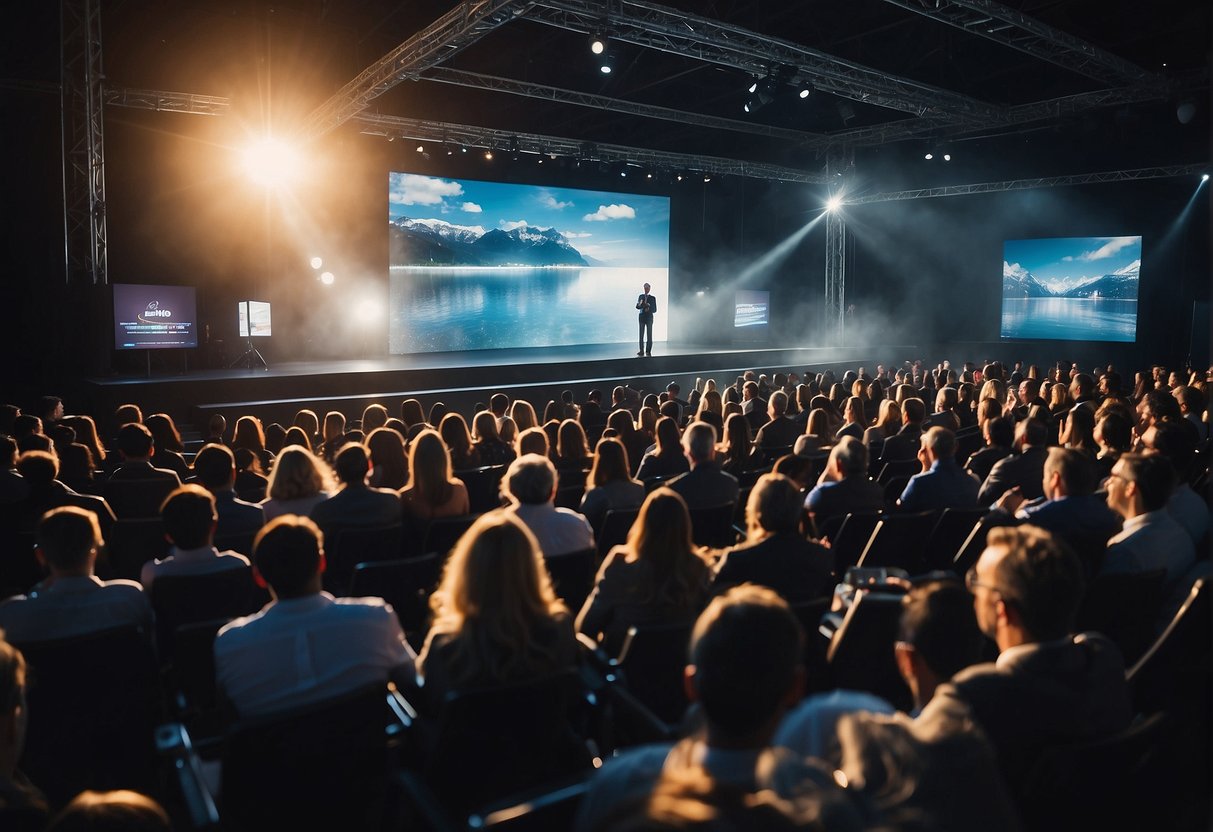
x=250, y=358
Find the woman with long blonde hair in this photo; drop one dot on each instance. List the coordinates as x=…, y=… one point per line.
x=658, y=577
x=299, y=481
x=496, y=617
x=433, y=491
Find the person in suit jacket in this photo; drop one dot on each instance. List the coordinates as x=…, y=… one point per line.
x=215, y=467
x=357, y=504
x=647, y=304
x=844, y=486
x=136, y=447
x=775, y=554
x=942, y=483
x=999, y=434
x=1025, y=470
x=780, y=431
x=903, y=445
x=705, y=485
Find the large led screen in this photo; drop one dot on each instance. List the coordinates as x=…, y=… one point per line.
x=488, y=265
x=1071, y=288
x=154, y=317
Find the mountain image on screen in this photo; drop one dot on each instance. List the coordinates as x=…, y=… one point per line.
x=1018, y=282
x=433, y=242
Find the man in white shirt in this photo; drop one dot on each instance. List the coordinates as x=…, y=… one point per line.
x=305, y=647
x=530, y=483
x=190, y=520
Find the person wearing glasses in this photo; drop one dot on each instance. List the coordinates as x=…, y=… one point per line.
x=1048, y=687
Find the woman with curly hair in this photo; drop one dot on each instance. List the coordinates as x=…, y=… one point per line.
x=496, y=616
x=299, y=481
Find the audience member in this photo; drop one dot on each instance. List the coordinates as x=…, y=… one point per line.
x=780, y=431
x=190, y=520
x=299, y=482
x=389, y=464
x=489, y=445
x=249, y=434
x=356, y=504
x=705, y=485
x=433, y=490
x=942, y=483
x=1175, y=442
x=136, y=446
x=305, y=647
x=215, y=467
x=1024, y=470
x=737, y=453
x=167, y=443
x=128, y=811
x=530, y=485
x=22, y=806
x=999, y=435
x=666, y=458
x=844, y=487
x=609, y=485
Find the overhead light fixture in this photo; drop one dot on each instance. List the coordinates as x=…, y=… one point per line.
x=762, y=93
x=834, y=203
x=805, y=91
x=598, y=43
x=421, y=148
x=488, y=154
x=1204, y=178
x=929, y=156
x=707, y=178
x=606, y=63
x=947, y=157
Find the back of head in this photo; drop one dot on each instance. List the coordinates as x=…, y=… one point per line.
x=12, y=678
x=215, y=467
x=700, y=442
x=189, y=516
x=667, y=435
x=532, y=441
x=1075, y=468
x=1154, y=477
x=287, y=554
x=484, y=425
x=411, y=412
x=938, y=619
x=297, y=473
x=941, y=442
x=531, y=479
x=308, y=421
x=571, y=441
x=1176, y=442
x=8, y=451
x=134, y=440
x=374, y=416
x=498, y=403
x=1033, y=432
x=774, y=506
x=66, y=536
x=741, y=688
x=610, y=462
x=779, y=402
x=352, y=464
x=914, y=410
x=851, y=456
x=1001, y=431
x=38, y=467
x=117, y=811
x=1041, y=576
x=429, y=468
x=125, y=414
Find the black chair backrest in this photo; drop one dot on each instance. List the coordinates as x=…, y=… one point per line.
x=241, y=542
x=93, y=705
x=495, y=741
x=1124, y=608
x=861, y=654
x=1177, y=663
x=445, y=532
x=188, y=599
x=951, y=530
x=484, y=486
x=898, y=468
x=615, y=527
x=19, y=567
x=848, y=543
x=573, y=576
x=652, y=659
x=353, y=545
x=325, y=766
x=898, y=541
x=190, y=681
x=713, y=526
x=893, y=487
x=553, y=808
x=970, y=550
x=406, y=584
x=569, y=496
x=132, y=499
x=130, y=544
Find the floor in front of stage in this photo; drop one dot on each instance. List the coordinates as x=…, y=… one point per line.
x=460, y=379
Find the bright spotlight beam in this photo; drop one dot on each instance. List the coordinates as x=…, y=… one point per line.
x=270, y=162
x=834, y=203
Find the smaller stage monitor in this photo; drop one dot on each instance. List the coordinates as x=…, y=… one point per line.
x=154, y=317
x=751, y=309
x=254, y=318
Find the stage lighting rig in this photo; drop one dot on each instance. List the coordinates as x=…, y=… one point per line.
x=598, y=43
x=762, y=93
x=833, y=203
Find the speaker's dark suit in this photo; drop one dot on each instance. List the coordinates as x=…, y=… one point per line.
x=647, y=304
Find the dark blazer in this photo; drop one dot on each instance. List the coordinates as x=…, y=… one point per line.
x=624, y=597
x=143, y=471
x=853, y=429
x=358, y=505
x=903, y=444
x=983, y=460
x=838, y=499
x=1025, y=470
x=237, y=518
x=705, y=486
x=946, y=485
x=780, y=432
x=646, y=310
x=787, y=563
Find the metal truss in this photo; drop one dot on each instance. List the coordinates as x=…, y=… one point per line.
x=839, y=165
x=506, y=141
x=169, y=102
x=447, y=36
x=659, y=27
x=995, y=21
x=1042, y=182
x=476, y=80
x=83, y=142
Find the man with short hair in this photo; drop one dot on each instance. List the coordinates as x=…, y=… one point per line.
x=903, y=445
x=937, y=637
x=942, y=482
x=844, y=487
x=215, y=468
x=1048, y=687
x=647, y=304
x=72, y=601
x=1138, y=491
x=136, y=446
x=530, y=484
x=1025, y=470
x=13, y=487
x=499, y=404
x=775, y=554
x=999, y=435
x=190, y=520
x=705, y=485
x=305, y=647
x=753, y=406
x=780, y=431
x=1070, y=509
x=1176, y=442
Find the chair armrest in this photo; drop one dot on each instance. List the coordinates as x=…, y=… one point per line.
x=174, y=746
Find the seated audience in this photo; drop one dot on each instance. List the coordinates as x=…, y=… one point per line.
x=129, y=811
x=168, y=445
x=1175, y=442
x=530, y=485
x=705, y=485
x=775, y=554
x=22, y=806
x=251, y=482
x=844, y=487
x=72, y=601
x=737, y=453
x=333, y=435
x=433, y=491
x=305, y=647
x=389, y=464
x=1070, y=509
x=496, y=618
x=1114, y=436
x=190, y=520
x=658, y=577
x=1024, y=470
x=999, y=435
x=215, y=467
x=904, y=444
x=779, y=431
x=356, y=504
x=942, y=482
x=492, y=450
x=39, y=469
x=572, y=451
x=666, y=458
x=299, y=482
x=136, y=447
x=13, y=487
x=458, y=439
x=888, y=422
x=609, y=486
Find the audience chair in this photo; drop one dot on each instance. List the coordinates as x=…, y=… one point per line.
x=651, y=662
x=19, y=567
x=898, y=541
x=188, y=599
x=1177, y=664
x=190, y=682
x=951, y=530
x=93, y=705
x=130, y=544
x=573, y=575
x=406, y=584
x=1124, y=608
x=810, y=614
x=445, y=532
x=848, y=542
x=569, y=496
x=351, y=545
x=893, y=488
x=484, y=486
x=131, y=499
x=968, y=442
x=615, y=527
x=552, y=807
x=860, y=656
x=241, y=542
x=898, y=468
x=713, y=526
x=970, y=550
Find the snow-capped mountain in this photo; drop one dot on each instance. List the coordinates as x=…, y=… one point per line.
x=426, y=241
x=1018, y=282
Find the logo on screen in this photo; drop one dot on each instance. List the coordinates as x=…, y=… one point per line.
x=154, y=311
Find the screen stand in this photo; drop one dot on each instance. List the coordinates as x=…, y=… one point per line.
x=251, y=358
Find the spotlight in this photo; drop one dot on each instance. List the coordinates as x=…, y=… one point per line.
x=450, y=151
x=327, y=278
x=605, y=65
x=462, y=149
x=421, y=148
x=762, y=93
x=947, y=157
x=488, y=154
x=270, y=162
x=707, y=178
x=316, y=262
x=1204, y=178
x=805, y=91
x=598, y=43
x=680, y=177
x=929, y=156
x=834, y=203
